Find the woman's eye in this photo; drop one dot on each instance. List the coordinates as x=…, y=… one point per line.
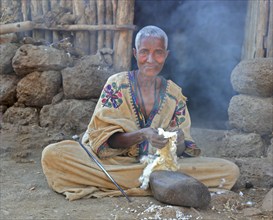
x=143, y=52
x=159, y=52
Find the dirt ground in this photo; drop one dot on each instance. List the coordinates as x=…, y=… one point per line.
x=25, y=194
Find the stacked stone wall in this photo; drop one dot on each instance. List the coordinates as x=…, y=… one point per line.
x=47, y=87
x=251, y=119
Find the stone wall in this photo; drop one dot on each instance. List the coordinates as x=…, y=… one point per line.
x=251, y=110
x=251, y=118
x=45, y=86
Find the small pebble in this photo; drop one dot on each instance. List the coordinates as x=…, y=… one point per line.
x=249, y=185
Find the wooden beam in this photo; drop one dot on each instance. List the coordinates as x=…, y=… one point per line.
x=85, y=27
x=16, y=27
x=29, y=25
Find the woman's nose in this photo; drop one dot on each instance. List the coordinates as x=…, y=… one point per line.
x=150, y=58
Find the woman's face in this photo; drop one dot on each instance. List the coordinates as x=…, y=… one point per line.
x=150, y=56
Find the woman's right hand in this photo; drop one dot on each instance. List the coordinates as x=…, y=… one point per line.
x=156, y=140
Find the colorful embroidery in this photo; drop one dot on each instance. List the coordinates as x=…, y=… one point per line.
x=191, y=149
x=144, y=146
x=179, y=113
x=111, y=96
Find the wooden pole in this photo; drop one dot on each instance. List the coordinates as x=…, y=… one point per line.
x=55, y=34
x=244, y=50
x=82, y=37
x=263, y=6
x=36, y=10
x=16, y=27
x=29, y=25
x=249, y=46
x=114, y=8
x=108, y=20
x=84, y=27
x=25, y=10
x=92, y=14
x=25, y=7
x=65, y=34
x=48, y=34
x=123, y=39
x=100, y=15
x=269, y=39
x=16, y=5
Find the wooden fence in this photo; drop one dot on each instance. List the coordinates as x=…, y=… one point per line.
x=90, y=24
x=259, y=30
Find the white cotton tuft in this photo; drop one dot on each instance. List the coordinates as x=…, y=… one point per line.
x=167, y=159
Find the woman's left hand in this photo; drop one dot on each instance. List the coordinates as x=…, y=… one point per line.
x=180, y=144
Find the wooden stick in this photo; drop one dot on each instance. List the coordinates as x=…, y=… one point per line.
x=48, y=34
x=100, y=15
x=16, y=27
x=85, y=27
x=25, y=9
x=55, y=34
x=29, y=25
x=64, y=4
x=92, y=14
x=249, y=46
x=262, y=27
x=17, y=10
x=36, y=10
x=108, y=20
x=82, y=37
x=123, y=39
x=269, y=42
x=114, y=6
x=245, y=47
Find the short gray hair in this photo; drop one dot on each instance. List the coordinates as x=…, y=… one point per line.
x=151, y=31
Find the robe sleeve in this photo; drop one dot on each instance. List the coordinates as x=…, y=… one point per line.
x=181, y=118
x=112, y=114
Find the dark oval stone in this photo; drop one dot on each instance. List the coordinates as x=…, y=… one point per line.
x=179, y=189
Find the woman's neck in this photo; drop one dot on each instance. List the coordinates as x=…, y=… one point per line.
x=146, y=81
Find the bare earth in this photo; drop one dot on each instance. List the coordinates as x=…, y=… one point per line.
x=25, y=194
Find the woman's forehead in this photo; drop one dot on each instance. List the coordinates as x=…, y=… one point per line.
x=151, y=41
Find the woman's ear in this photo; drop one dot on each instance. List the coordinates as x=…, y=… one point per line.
x=167, y=54
x=134, y=52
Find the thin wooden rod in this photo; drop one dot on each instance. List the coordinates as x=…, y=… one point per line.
x=29, y=25
x=84, y=27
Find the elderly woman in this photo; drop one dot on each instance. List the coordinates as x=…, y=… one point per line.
x=123, y=128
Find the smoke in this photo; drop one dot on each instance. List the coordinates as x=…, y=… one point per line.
x=205, y=42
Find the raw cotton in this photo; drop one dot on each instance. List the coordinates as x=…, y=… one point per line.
x=164, y=159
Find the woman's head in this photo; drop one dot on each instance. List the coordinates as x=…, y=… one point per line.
x=151, y=50
x=151, y=31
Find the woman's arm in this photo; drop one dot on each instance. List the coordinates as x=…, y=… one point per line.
x=121, y=140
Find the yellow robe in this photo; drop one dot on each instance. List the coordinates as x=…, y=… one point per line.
x=70, y=171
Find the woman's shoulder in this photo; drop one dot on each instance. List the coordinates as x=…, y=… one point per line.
x=173, y=86
x=175, y=90
x=119, y=77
